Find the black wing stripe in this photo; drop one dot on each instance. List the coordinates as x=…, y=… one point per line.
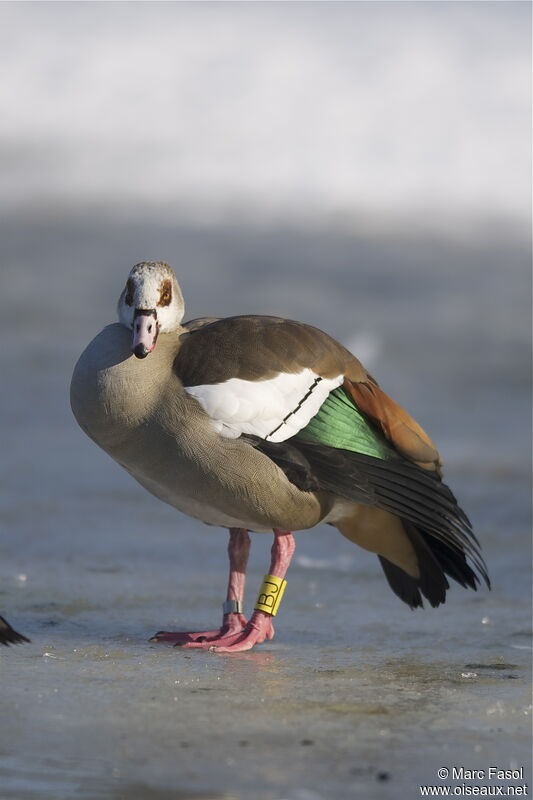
x=297, y=408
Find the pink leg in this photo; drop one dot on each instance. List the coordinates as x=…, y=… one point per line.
x=260, y=625
x=234, y=622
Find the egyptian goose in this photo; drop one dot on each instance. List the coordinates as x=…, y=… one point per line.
x=261, y=424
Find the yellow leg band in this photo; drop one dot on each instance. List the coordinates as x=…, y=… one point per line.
x=270, y=594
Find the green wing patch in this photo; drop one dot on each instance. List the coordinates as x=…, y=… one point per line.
x=340, y=424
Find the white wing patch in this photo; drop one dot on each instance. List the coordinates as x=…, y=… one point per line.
x=274, y=409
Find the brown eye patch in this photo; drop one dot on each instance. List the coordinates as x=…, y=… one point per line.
x=130, y=289
x=165, y=294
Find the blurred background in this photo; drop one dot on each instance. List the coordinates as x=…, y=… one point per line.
x=364, y=167
x=337, y=115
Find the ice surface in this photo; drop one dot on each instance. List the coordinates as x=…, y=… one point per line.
x=356, y=696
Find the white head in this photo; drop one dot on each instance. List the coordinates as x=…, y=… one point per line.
x=151, y=303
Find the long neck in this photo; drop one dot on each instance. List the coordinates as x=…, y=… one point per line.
x=112, y=392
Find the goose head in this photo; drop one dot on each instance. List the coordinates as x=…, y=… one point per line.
x=151, y=303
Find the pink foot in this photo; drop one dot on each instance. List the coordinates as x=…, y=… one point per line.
x=233, y=624
x=256, y=631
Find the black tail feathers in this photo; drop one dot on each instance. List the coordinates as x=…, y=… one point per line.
x=436, y=560
x=9, y=635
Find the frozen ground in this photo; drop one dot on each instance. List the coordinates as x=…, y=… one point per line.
x=356, y=696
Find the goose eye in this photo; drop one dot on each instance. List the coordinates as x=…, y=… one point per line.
x=165, y=294
x=129, y=292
